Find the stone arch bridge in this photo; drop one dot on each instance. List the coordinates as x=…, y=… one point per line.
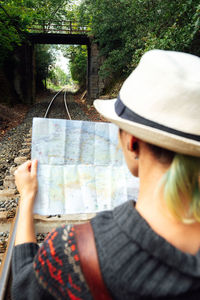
x=69, y=33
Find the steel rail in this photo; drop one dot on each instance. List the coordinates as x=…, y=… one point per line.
x=47, y=111
x=66, y=107
x=65, y=103
x=6, y=263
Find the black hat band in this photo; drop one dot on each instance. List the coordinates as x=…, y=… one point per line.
x=125, y=113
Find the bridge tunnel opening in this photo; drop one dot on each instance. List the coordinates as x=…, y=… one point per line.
x=57, y=66
x=84, y=59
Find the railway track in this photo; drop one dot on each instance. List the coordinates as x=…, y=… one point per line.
x=9, y=206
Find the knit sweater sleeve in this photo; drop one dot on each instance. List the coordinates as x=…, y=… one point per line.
x=51, y=271
x=24, y=283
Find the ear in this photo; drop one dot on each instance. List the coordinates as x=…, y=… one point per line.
x=133, y=143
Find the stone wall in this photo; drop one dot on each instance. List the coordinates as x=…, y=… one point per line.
x=95, y=83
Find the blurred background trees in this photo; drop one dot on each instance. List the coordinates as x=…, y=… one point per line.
x=123, y=29
x=77, y=56
x=16, y=19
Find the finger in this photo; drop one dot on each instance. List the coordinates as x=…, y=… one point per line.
x=25, y=166
x=34, y=167
x=15, y=173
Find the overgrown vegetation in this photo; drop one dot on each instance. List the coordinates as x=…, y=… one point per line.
x=44, y=61
x=125, y=29
x=16, y=19
x=57, y=77
x=77, y=63
x=48, y=74
x=17, y=16
x=12, y=25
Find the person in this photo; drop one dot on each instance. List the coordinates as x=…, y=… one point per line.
x=148, y=249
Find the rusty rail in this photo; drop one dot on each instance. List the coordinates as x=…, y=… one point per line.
x=6, y=263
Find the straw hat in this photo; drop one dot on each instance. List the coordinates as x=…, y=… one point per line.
x=160, y=102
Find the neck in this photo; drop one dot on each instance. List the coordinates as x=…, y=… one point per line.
x=151, y=200
x=151, y=205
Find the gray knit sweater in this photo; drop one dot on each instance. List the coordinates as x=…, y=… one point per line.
x=135, y=262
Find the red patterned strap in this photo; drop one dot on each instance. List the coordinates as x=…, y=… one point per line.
x=89, y=261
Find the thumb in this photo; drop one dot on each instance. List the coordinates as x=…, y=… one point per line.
x=34, y=167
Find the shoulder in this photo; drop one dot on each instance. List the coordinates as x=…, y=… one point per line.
x=109, y=222
x=110, y=234
x=57, y=265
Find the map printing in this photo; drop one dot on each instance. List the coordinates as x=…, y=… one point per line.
x=81, y=167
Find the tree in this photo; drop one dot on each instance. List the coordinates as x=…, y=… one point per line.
x=16, y=17
x=58, y=77
x=78, y=63
x=125, y=29
x=12, y=26
x=48, y=12
x=177, y=28
x=45, y=60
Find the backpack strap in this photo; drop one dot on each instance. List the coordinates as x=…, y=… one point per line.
x=89, y=262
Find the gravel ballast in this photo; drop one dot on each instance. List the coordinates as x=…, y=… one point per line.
x=12, y=141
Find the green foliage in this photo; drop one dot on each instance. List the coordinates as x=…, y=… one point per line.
x=58, y=77
x=17, y=16
x=45, y=60
x=78, y=63
x=125, y=29
x=11, y=26
x=47, y=12
x=48, y=74
x=178, y=30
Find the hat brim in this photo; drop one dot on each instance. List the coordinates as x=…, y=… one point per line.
x=148, y=134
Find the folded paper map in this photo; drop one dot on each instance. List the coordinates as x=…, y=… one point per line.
x=81, y=167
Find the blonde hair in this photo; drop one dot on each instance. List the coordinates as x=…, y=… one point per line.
x=182, y=188
x=181, y=184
